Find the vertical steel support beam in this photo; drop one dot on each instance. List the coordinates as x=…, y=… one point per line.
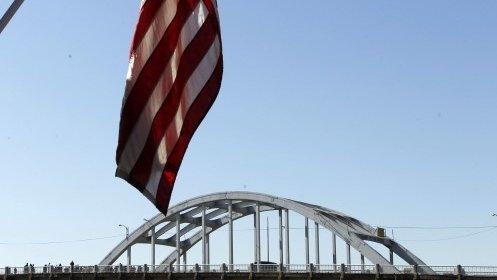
x=128, y=252
x=152, y=247
x=391, y=257
x=280, y=216
x=184, y=262
x=307, y=260
x=334, y=248
x=208, y=253
x=204, y=239
x=287, y=236
x=258, y=234
x=362, y=264
x=255, y=237
x=316, y=239
x=230, y=217
x=349, y=262
x=178, y=249
x=267, y=238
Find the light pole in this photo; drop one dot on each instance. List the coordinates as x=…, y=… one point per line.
x=128, y=251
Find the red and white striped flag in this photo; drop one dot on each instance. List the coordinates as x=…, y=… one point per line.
x=174, y=76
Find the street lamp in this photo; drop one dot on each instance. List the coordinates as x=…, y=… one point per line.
x=128, y=251
x=493, y=215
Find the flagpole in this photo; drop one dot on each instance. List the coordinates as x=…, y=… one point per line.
x=9, y=14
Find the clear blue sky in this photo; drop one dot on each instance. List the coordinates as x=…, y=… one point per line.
x=384, y=110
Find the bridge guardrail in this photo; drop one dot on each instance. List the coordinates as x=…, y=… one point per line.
x=479, y=270
x=218, y=268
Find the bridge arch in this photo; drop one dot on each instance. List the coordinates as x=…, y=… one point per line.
x=205, y=214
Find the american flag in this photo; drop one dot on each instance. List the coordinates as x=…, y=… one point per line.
x=174, y=76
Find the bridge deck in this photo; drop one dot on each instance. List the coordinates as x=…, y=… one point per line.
x=237, y=276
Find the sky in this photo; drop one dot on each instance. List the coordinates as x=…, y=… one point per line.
x=384, y=110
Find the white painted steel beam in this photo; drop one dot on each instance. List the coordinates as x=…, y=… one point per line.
x=354, y=232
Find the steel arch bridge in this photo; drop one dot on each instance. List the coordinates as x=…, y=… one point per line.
x=203, y=215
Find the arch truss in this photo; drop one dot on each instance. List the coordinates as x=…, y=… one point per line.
x=192, y=221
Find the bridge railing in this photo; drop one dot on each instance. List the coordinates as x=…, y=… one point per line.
x=479, y=270
x=291, y=268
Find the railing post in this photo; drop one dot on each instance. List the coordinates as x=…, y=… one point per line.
x=170, y=272
x=377, y=269
x=459, y=272
x=30, y=272
x=251, y=271
x=311, y=271
x=415, y=271
x=342, y=271
x=197, y=270
x=224, y=268
x=281, y=274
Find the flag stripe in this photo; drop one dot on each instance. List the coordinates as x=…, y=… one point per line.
x=138, y=137
x=192, y=120
x=191, y=58
x=193, y=88
x=150, y=74
x=147, y=14
x=141, y=53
